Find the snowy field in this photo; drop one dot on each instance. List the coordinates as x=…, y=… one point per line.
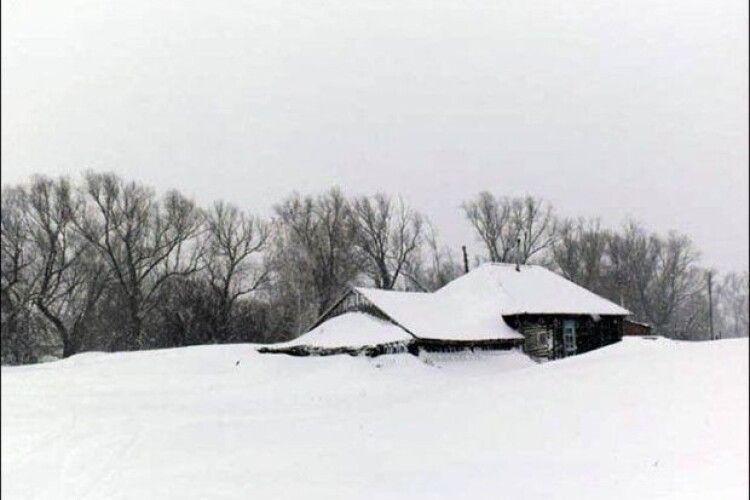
x=640, y=419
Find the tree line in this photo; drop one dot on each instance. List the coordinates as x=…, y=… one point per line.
x=102, y=263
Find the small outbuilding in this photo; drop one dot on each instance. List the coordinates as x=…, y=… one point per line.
x=493, y=307
x=635, y=328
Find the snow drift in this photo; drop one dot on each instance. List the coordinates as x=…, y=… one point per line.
x=639, y=419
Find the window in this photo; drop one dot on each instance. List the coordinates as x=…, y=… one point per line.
x=569, y=336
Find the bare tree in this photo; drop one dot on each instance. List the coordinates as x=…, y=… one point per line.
x=15, y=254
x=388, y=235
x=291, y=293
x=535, y=226
x=70, y=276
x=690, y=319
x=17, y=280
x=631, y=262
x=435, y=267
x=232, y=259
x=732, y=305
x=313, y=249
x=143, y=241
x=580, y=250
x=511, y=228
x=676, y=278
x=653, y=276
x=187, y=312
x=491, y=219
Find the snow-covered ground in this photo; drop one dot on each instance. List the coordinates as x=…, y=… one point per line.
x=639, y=419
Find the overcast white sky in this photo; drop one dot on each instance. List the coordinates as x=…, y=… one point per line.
x=626, y=108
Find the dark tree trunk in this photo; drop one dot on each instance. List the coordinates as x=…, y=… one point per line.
x=69, y=347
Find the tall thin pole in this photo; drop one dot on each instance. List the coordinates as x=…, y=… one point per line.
x=466, y=259
x=710, y=309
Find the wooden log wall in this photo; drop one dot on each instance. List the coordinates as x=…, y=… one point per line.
x=413, y=346
x=590, y=333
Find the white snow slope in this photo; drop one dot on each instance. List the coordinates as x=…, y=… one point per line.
x=639, y=419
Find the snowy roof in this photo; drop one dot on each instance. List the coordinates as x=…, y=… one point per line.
x=531, y=290
x=350, y=329
x=472, y=306
x=437, y=316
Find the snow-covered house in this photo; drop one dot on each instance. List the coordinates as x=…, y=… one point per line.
x=493, y=307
